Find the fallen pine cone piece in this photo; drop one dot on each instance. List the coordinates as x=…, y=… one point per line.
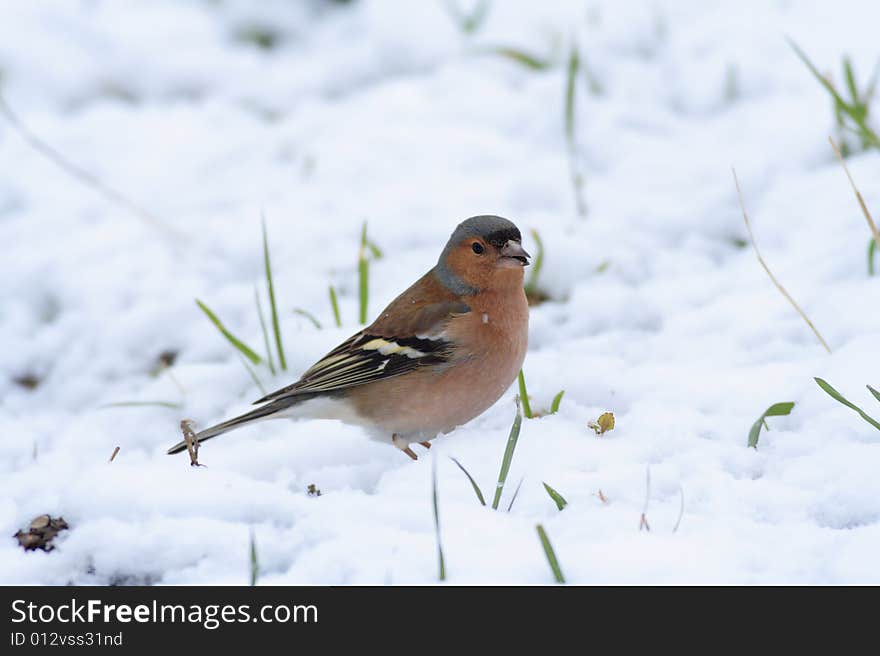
x=42, y=531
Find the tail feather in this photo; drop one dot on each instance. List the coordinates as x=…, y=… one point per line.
x=265, y=412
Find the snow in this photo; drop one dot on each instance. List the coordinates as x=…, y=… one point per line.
x=371, y=111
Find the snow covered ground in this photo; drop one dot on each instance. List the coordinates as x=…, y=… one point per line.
x=388, y=112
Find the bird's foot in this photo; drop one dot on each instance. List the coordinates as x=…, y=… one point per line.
x=427, y=445
x=403, y=445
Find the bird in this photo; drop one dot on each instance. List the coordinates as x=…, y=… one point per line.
x=438, y=356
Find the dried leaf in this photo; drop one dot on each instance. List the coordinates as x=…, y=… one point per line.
x=603, y=424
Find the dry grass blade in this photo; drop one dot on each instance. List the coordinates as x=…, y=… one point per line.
x=515, y=493
x=643, y=520
x=309, y=316
x=867, y=214
x=680, y=510
x=82, y=176
x=779, y=286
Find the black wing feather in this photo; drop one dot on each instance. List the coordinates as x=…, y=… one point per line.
x=364, y=358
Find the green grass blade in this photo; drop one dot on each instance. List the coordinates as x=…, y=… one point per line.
x=524, y=395
x=872, y=251
x=363, y=289
x=138, y=404
x=255, y=562
x=819, y=77
x=868, y=136
x=521, y=57
x=243, y=348
x=334, y=303
x=265, y=332
x=775, y=410
x=755, y=432
x=375, y=251
x=363, y=276
x=469, y=23
x=571, y=93
x=476, y=487
x=779, y=409
x=872, y=84
x=834, y=394
x=850, y=78
x=550, y=554
x=532, y=284
x=554, y=407
x=275, y=325
x=309, y=316
x=874, y=392
x=558, y=499
x=508, y=456
x=441, y=560
x=577, y=178
x=253, y=375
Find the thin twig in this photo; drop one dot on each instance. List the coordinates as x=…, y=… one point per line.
x=868, y=217
x=81, y=175
x=767, y=269
x=115, y=451
x=515, y=493
x=174, y=380
x=192, y=442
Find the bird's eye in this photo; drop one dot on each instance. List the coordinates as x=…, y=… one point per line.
x=477, y=247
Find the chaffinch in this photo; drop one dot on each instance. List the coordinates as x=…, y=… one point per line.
x=439, y=355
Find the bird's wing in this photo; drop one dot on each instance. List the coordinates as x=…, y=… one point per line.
x=383, y=350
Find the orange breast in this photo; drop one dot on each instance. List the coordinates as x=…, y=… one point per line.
x=491, y=344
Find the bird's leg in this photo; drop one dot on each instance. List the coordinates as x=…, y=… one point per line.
x=403, y=445
x=426, y=444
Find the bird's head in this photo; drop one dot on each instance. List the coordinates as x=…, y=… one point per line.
x=484, y=252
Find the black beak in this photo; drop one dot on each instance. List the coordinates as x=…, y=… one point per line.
x=515, y=250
